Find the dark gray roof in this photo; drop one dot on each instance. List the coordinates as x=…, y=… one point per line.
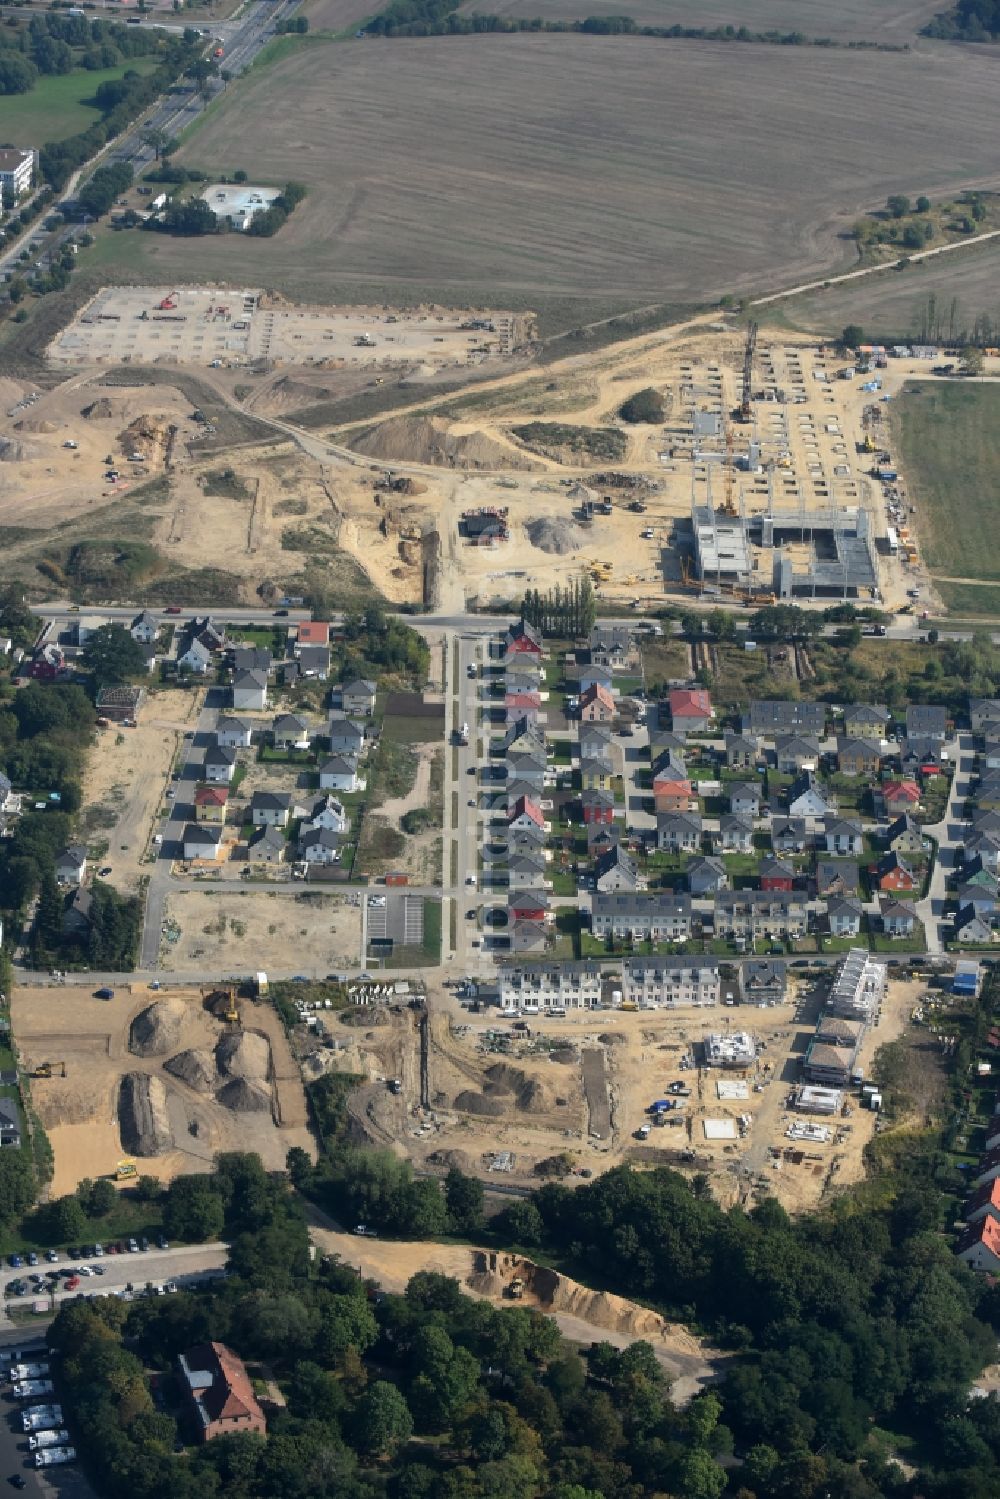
x=769, y=716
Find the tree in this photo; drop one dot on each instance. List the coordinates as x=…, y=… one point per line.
x=382, y=1420
x=17, y=1184
x=853, y=336
x=898, y=205
x=644, y=406
x=972, y=360
x=465, y=1198
x=193, y=1209
x=66, y=1220
x=923, y=205
x=97, y=1198
x=521, y=1223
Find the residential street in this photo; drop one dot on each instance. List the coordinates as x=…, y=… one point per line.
x=950, y=834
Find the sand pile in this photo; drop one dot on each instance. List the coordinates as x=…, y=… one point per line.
x=98, y=410
x=444, y=1160
x=244, y=1055
x=145, y=435
x=35, y=424
x=558, y=537
x=426, y=439
x=156, y=1030
x=530, y=1095
x=142, y=1115
x=244, y=1097
x=195, y=1067
x=487, y=1106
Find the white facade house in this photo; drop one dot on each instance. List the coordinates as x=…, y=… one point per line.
x=220, y=764
x=197, y=658
x=202, y=840
x=234, y=733
x=249, y=689
x=732, y=1049
x=339, y=773
x=670, y=982
x=329, y=813
x=16, y=170
x=144, y=628
x=574, y=986
x=858, y=987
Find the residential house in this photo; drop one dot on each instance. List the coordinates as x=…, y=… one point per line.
x=202, y=840
x=615, y=870
x=775, y=874
x=522, y=640
x=843, y=836
x=762, y=981
x=742, y=752
x=612, y=645
x=144, y=628
x=979, y=1246
x=904, y=836
x=528, y=905
x=691, y=710
x=987, y=822
x=234, y=733
x=858, y=757
x=796, y=752
x=662, y=743
x=524, y=677
x=807, y=798
x=972, y=928
x=270, y=809
x=311, y=632
x=597, y=705
x=219, y=1392
x=524, y=813
x=529, y=936
x=517, y=787
x=983, y=710
x=678, y=832
x=210, y=803
x=594, y=675
x=899, y=797
x=249, y=689
x=987, y=793
x=318, y=846
x=758, y=915
x=655, y=916
x=357, y=698
x=526, y=871
x=982, y=898
x=926, y=721
x=735, y=835
x=77, y=906
x=789, y=835
x=844, y=916
x=71, y=864
x=519, y=705
x=543, y=986
x=986, y=848
x=10, y=1123
x=48, y=664
x=986, y=1202
x=898, y=918
x=922, y=757
x=672, y=788
x=119, y=704
x=670, y=982
x=290, y=731
x=220, y=763
x=836, y=877
x=523, y=737
x=894, y=874
x=976, y=871
x=346, y=737
x=596, y=773
x=328, y=813
x=597, y=807
x=266, y=846
x=706, y=876
x=988, y=1168
x=529, y=766
x=868, y=721
x=339, y=773
x=314, y=662
x=991, y=755
x=769, y=718
x=744, y=798
x=601, y=837
x=595, y=739
x=250, y=658
x=289, y=672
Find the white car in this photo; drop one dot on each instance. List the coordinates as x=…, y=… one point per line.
x=84, y=1270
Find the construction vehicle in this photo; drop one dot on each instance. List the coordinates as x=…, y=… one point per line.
x=46, y=1069
x=364, y=341
x=222, y=1004
x=748, y=353
x=125, y=1170
x=169, y=302
x=515, y=1288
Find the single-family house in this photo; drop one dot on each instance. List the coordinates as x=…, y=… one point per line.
x=775, y=874
x=266, y=846
x=288, y=671
x=528, y=766
x=678, y=832
x=76, y=913
x=655, y=916
x=769, y=718
x=601, y=837
x=762, y=981
x=985, y=821
x=691, y=710
x=796, y=752
x=71, y=864
x=976, y=871
x=120, y=704
x=757, y=915
x=670, y=982
x=844, y=916
x=526, y=871
x=313, y=662
x=517, y=705
x=525, y=812
x=144, y=628
x=523, y=737
x=893, y=873
x=595, y=739
x=986, y=848
x=290, y=731
x=328, y=812
x=858, y=757
x=311, y=632
x=672, y=788
x=234, y=733
x=706, y=876
x=249, y=689
x=744, y=798
x=210, y=803
x=596, y=772
x=219, y=1392
x=597, y=705
x=843, y=836
x=339, y=773
x=525, y=676
x=202, y=840
x=594, y=675
x=48, y=663
x=979, y=1246
x=807, y=798
x=250, y=658
x=898, y=797
x=982, y=899
x=898, y=919
x=270, y=809
x=662, y=743
x=987, y=793
x=991, y=755
x=972, y=928
x=318, y=846
x=10, y=1123
x=357, y=698
x=904, y=836
x=742, y=751
x=529, y=839
x=611, y=645
x=988, y=1168
x=983, y=710
x=985, y=1203
x=220, y=763
x=529, y=936
x=735, y=835
x=789, y=835
x=868, y=721
x=597, y=806
x=346, y=737
x=522, y=640
x=926, y=721
x=922, y=757
x=528, y=905
x=615, y=870
x=836, y=877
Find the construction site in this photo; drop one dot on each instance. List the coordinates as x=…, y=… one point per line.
x=163, y=1077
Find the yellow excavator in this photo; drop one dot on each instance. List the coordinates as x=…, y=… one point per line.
x=124, y=1170
x=48, y=1069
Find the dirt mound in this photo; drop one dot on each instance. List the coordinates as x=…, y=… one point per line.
x=558, y=537
x=612, y=1038
x=142, y=1115
x=195, y=1067
x=244, y=1055
x=471, y=1102
x=150, y=436
x=244, y=1097
x=426, y=439
x=530, y=1095
x=35, y=424
x=156, y=1030
x=566, y=1055
x=444, y=1160
x=16, y=452
x=98, y=410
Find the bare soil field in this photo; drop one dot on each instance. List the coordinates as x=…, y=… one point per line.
x=891, y=21
x=223, y=930
x=337, y=15
x=512, y=162
x=93, y=1037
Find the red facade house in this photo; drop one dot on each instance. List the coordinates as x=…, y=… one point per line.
x=598, y=806
x=528, y=905
x=774, y=875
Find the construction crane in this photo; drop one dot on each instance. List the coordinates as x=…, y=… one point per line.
x=169, y=302
x=46, y=1069
x=729, y=505
x=748, y=353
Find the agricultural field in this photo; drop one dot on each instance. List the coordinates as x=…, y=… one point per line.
x=505, y=167
x=60, y=104
x=337, y=15
x=892, y=22
x=949, y=450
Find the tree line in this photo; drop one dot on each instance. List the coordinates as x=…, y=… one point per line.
x=969, y=21
x=54, y=43
x=568, y=613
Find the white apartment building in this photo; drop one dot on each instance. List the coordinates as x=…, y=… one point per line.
x=669, y=982
x=16, y=170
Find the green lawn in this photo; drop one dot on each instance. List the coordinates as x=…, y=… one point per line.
x=971, y=600
x=948, y=438
x=60, y=104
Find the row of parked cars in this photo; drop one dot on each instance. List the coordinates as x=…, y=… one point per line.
x=88, y=1251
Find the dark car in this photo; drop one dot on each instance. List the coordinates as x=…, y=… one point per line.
x=104, y=993
x=16, y=1481
x=15, y=1262
x=281, y=613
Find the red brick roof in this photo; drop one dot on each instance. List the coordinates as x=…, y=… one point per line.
x=314, y=632
x=988, y=1196
x=529, y=809
x=690, y=702
x=901, y=791
x=670, y=786
x=211, y=796
x=597, y=693
x=986, y=1233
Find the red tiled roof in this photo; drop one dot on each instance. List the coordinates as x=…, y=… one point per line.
x=597, y=693
x=986, y=1233
x=314, y=632
x=900, y=791
x=232, y=1394
x=529, y=809
x=211, y=796
x=523, y=700
x=671, y=787
x=690, y=702
x=988, y=1196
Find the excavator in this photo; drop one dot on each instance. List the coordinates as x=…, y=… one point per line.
x=124, y=1170
x=48, y=1069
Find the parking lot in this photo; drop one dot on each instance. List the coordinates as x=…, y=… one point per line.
x=113, y=1274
